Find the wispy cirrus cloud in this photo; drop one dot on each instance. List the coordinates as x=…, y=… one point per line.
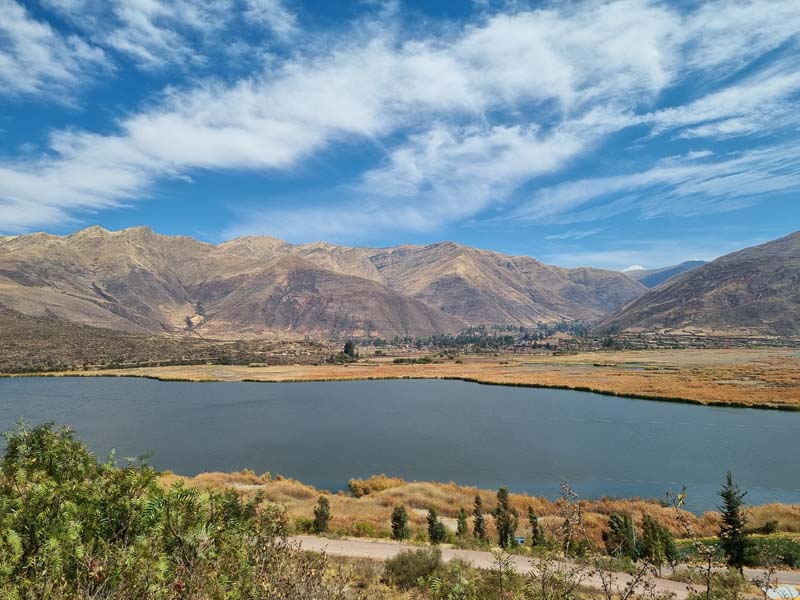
x=683, y=186
x=158, y=33
x=34, y=57
x=573, y=234
x=467, y=116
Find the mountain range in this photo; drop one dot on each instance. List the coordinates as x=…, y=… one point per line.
x=753, y=291
x=140, y=281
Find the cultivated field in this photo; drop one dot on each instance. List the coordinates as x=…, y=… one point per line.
x=767, y=378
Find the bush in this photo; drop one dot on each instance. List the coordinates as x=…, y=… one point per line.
x=728, y=585
x=376, y=483
x=784, y=548
x=405, y=568
x=72, y=527
x=304, y=525
x=364, y=529
x=322, y=515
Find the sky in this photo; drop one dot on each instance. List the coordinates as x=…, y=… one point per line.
x=583, y=133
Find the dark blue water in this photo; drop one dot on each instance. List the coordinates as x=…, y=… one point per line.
x=326, y=433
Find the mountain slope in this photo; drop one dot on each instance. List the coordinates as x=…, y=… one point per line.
x=650, y=278
x=475, y=286
x=480, y=286
x=138, y=281
x=752, y=291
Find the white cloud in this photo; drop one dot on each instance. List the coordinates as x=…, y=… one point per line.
x=574, y=234
x=34, y=58
x=438, y=176
x=682, y=186
x=158, y=33
x=272, y=14
x=762, y=103
x=722, y=36
x=467, y=117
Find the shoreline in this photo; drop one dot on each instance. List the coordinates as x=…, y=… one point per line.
x=166, y=378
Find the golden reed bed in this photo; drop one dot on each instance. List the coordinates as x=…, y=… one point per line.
x=764, y=378
x=369, y=515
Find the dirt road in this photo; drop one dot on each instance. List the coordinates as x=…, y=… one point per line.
x=382, y=550
x=482, y=560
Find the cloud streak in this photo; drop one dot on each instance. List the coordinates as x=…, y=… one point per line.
x=468, y=118
x=34, y=57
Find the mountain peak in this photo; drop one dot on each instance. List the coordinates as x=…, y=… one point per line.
x=93, y=230
x=752, y=291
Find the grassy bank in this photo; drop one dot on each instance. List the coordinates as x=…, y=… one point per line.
x=369, y=514
x=760, y=378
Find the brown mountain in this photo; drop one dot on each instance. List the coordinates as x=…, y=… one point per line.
x=475, y=286
x=752, y=291
x=139, y=281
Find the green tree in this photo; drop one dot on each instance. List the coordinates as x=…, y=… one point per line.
x=657, y=546
x=322, y=515
x=462, y=529
x=479, y=520
x=350, y=349
x=400, y=529
x=620, y=538
x=732, y=534
x=505, y=519
x=537, y=534
x=436, y=531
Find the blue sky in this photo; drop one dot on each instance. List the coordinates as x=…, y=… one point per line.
x=605, y=134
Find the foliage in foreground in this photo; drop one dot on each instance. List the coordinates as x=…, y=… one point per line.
x=72, y=527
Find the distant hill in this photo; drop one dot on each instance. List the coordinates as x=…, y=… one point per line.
x=136, y=280
x=650, y=278
x=752, y=291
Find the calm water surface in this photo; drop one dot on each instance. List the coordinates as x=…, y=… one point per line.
x=326, y=433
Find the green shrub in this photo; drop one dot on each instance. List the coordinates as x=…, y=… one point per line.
x=73, y=528
x=304, y=525
x=322, y=515
x=364, y=529
x=407, y=567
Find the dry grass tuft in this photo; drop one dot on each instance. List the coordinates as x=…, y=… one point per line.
x=369, y=515
x=376, y=483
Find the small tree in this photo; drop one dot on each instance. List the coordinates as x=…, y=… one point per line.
x=620, y=538
x=479, y=520
x=350, y=349
x=436, y=531
x=657, y=545
x=322, y=515
x=505, y=519
x=463, y=528
x=732, y=535
x=537, y=533
x=400, y=529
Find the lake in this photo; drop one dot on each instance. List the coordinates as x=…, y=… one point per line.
x=325, y=433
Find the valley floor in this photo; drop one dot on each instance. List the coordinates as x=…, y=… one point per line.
x=762, y=378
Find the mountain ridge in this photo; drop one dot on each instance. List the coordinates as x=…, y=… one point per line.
x=755, y=290
x=138, y=280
